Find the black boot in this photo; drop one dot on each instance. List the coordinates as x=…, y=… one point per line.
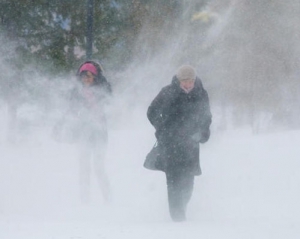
x=177, y=215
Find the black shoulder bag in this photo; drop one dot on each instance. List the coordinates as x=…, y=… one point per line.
x=154, y=159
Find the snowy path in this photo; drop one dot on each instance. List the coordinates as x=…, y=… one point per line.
x=250, y=188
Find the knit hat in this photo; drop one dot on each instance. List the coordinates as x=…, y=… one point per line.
x=88, y=67
x=186, y=72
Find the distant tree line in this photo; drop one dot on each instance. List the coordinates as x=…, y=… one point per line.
x=53, y=33
x=246, y=51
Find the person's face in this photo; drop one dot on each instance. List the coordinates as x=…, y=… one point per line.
x=87, y=78
x=187, y=85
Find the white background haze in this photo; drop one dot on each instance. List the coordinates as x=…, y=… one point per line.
x=250, y=187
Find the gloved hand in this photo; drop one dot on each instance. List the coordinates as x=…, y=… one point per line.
x=201, y=137
x=204, y=136
x=196, y=137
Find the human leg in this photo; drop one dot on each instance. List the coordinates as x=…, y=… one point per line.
x=187, y=185
x=84, y=174
x=101, y=175
x=180, y=187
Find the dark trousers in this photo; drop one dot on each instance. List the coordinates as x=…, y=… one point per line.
x=180, y=184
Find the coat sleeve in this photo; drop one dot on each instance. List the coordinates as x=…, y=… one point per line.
x=205, y=119
x=154, y=112
x=157, y=110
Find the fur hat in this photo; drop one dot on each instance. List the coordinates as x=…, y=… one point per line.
x=186, y=72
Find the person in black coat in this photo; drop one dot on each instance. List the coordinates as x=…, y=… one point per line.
x=86, y=124
x=181, y=116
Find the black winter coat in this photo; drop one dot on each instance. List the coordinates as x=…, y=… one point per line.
x=182, y=121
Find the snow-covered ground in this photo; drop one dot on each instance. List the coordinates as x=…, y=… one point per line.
x=250, y=188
